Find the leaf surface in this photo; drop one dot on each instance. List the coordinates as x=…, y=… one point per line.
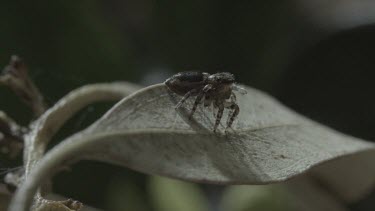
x=269, y=143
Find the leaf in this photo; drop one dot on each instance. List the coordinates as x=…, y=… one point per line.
x=308, y=195
x=349, y=178
x=270, y=143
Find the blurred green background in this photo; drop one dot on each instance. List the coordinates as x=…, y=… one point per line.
x=316, y=57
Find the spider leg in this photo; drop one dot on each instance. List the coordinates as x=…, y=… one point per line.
x=196, y=103
x=236, y=110
x=214, y=107
x=186, y=96
x=219, y=115
x=199, y=99
x=233, y=99
x=207, y=101
x=232, y=105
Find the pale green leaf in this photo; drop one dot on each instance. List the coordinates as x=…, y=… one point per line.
x=269, y=143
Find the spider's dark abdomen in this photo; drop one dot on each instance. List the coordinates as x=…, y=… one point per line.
x=183, y=82
x=190, y=76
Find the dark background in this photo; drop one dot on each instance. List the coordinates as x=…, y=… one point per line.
x=318, y=58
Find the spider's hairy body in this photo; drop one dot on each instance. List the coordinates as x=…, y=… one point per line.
x=216, y=89
x=182, y=83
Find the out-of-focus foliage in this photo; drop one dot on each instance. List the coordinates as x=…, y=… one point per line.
x=248, y=198
x=125, y=194
x=4, y=198
x=169, y=195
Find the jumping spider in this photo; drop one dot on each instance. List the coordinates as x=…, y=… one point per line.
x=216, y=89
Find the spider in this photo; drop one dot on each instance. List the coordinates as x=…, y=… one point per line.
x=216, y=89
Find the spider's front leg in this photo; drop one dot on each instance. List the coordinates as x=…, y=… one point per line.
x=219, y=115
x=186, y=96
x=214, y=108
x=232, y=105
x=233, y=99
x=199, y=98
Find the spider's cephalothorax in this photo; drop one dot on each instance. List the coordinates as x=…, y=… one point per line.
x=216, y=89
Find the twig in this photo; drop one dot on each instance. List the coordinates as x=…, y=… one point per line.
x=11, y=136
x=15, y=75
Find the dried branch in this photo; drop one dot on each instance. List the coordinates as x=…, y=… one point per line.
x=15, y=75
x=11, y=137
